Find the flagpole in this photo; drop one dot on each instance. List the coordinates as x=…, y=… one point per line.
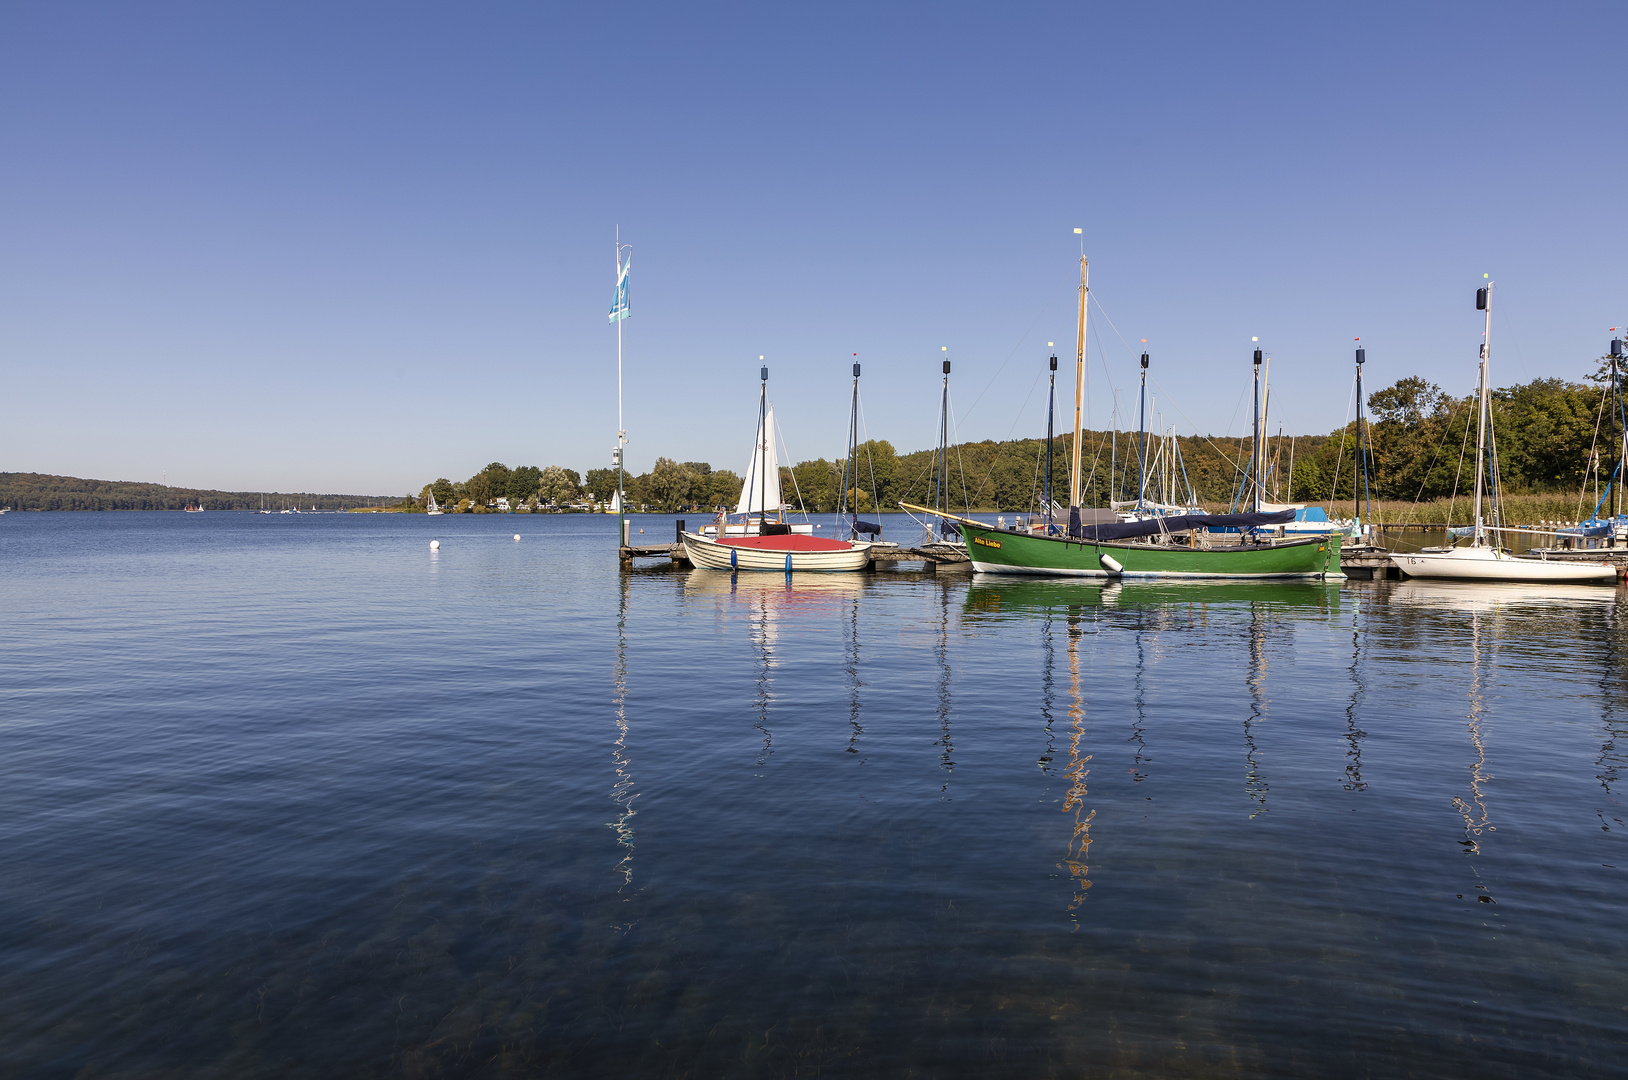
x=621, y=432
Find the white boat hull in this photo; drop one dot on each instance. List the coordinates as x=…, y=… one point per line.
x=710, y=554
x=1490, y=564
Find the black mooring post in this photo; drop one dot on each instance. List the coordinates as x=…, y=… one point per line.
x=678, y=532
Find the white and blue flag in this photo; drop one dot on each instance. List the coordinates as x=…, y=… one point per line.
x=619, y=310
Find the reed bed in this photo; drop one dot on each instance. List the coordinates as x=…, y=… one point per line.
x=1515, y=510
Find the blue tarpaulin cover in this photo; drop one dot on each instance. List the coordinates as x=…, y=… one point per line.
x=1126, y=530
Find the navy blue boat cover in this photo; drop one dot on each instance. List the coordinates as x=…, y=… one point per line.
x=1127, y=530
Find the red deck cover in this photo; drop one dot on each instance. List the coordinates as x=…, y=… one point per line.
x=794, y=542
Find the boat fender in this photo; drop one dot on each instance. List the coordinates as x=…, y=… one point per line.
x=734, y=559
x=1112, y=563
x=788, y=562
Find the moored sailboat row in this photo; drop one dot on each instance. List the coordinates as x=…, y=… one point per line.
x=1170, y=536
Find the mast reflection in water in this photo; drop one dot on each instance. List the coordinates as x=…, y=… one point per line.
x=622, y=793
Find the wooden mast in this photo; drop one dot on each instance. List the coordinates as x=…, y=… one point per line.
x=1079, y=392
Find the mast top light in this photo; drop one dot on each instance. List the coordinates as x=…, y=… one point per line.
x=1362, y=356
x=1144, y=361
x=1257, y=358
x=764, y=372
x=856, y=371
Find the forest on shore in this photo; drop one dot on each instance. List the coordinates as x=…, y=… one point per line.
x=44, y=491
x=1551, y=433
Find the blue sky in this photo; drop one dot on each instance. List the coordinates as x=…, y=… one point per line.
x=357, y=247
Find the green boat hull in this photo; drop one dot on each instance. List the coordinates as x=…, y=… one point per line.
x=995, y=551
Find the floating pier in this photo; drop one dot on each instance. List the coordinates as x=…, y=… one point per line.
x=1359, y=563
x=931, y=558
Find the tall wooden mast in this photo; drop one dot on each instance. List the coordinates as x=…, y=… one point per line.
x=1079, y=387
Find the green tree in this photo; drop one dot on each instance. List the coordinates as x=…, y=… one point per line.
x=723, y=489
x=557, y=486
x=600, y=483
x=816, y=482
x=522, y=484
x=1545, y=431
x=878, y=467
x=668, y=484
x=488, y=484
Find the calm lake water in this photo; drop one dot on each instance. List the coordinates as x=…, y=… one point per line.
x=293, y=796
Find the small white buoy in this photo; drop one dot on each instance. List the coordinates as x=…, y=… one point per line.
x=517, y=536
x=435, y=545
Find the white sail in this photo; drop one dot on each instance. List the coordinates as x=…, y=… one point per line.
x=760, y=490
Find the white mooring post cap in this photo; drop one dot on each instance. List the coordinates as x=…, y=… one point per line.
x=435, y=545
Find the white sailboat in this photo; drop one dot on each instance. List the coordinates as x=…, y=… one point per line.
x=1482, y=559
x=769, y=544
x=433, y=509
x=760, y=495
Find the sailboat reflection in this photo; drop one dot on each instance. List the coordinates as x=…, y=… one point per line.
x=1353, y=734
x=768, y=600
x=991, y=597
x=1480, y=605
x=1079, y=844
x=1474, y=811
x=764, y=634
x=1254, y=782
x=1048, y=692
x=941, y=650
x=851, y=669
x=1139, y=716
x=622, y=793
x=1613, y=691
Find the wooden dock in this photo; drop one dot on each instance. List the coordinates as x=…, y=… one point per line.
x=1359, y=563
x=930, y=558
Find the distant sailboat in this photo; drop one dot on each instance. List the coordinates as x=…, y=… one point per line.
x=434, y=509
x=196, y=508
